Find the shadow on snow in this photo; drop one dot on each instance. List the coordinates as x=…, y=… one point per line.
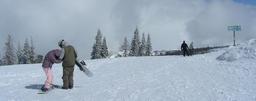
x=34, y=86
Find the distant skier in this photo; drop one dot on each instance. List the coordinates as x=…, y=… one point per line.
x=50, y=58
x=184, y=49
x=68, y=55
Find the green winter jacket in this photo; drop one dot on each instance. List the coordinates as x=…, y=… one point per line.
x=69, y=56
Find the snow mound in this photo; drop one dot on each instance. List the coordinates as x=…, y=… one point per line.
x=243, y=51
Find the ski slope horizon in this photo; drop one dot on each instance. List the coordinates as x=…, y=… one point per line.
x=159, y=78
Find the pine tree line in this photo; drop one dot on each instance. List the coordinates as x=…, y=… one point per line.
x=100, y=48
x=9, y=57
x=25, y=55
x=138, y=47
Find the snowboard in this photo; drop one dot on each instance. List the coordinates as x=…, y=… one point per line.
x=41, y=92
x=83, y=68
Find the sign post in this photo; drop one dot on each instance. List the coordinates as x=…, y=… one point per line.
x=234, y=29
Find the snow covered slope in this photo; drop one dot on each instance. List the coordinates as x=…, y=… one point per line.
x=167, y=78
x=243, y=51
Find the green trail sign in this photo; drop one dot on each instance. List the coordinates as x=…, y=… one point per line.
x=234, y=29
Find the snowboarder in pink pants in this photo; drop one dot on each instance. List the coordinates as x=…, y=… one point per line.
x=50, y=58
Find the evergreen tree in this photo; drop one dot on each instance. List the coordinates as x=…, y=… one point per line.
x=39, y=59
x=1, y=62
x=9, y=56
x=142, y=51
x=97, y=47
x=191, y=48
x=26, y=52
x=135, y=45
x=32, y=52
x=104, y=52
x=148, y=46
x=125, y=47
x=93, y=51
x=19, y=54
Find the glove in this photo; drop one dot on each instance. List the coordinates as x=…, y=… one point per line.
x=82, y=62
x=81, y=68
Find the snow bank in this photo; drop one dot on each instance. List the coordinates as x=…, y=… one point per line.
x=243, y=51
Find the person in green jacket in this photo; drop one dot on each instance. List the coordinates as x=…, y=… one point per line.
x=68, y=55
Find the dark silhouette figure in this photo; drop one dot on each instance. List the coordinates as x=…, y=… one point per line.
x=184, y=49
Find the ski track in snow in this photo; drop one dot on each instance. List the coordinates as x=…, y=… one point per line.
x=166, y=78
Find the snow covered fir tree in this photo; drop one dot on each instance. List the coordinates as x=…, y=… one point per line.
x=148, y=46
x=138, y=47
x=9, y=55
x=19, y=55
x=124, y=48
x=96, y=51
x=100, y=49
x=191, y=48
x=26, y=53
x=1, y=62
x=135, y=44
x=32, y=52
x=142, y=49
x=104, y=51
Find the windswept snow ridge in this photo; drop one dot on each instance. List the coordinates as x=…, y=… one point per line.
x=243, y=51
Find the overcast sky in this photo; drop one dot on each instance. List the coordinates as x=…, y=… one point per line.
x=169, y=22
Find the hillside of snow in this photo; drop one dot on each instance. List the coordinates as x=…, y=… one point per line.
x=166, y=78
x=244, y=51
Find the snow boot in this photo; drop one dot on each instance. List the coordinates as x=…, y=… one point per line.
x=64, y=88
x=46, y=89
x=70, y=87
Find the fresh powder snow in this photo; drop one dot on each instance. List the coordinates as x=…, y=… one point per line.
x=157, y=78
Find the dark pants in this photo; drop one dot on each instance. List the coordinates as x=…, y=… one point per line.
x=68, y=77
x=185, y=52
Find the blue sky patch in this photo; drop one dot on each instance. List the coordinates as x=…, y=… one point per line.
x=249, y=2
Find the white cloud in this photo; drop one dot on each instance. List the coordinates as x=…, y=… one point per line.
x=210, y=26
x=168, y=21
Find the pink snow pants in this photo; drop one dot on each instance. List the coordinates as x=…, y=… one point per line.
x=49, y=75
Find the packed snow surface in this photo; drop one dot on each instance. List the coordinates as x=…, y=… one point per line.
x=166, y=78
x=243, y=51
